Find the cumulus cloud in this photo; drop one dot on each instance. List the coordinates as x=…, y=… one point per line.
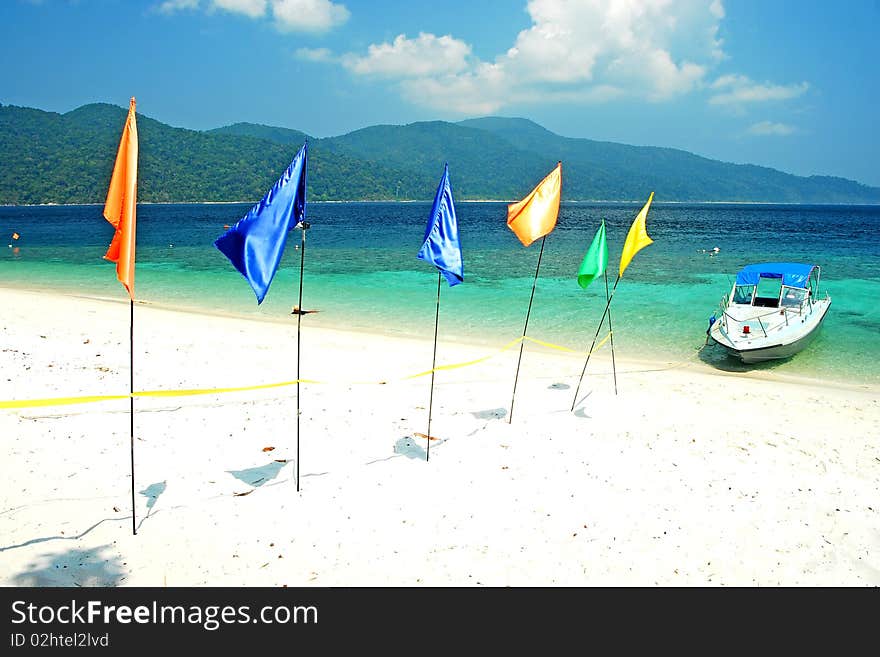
x=308, y=15
x=471, y=92
x=587, y=51
x=739, y=89
x=648, y=46
x=768, y=128
x=289, y=15
x=404, y=58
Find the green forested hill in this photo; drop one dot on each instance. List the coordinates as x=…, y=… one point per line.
x=267, y=132
x=47, y=157
x=67, y=158
x=609, y=171
x=482, y=165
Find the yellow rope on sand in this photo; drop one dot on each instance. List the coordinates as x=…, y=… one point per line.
x=89, y=399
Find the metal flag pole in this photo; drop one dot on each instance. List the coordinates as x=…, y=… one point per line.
x=595, y=337
x=304, y=225
x=433, y=366
x=131, y=410
x=525, y=328
x=610, y=331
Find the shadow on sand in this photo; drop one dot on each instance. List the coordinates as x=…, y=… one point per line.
x=490, y=414
x=715, y=355
x=259, y=475
x=152, y=493
x=73, y=568
x=60, y=537
x=407, y=447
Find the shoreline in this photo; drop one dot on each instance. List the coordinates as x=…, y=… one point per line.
x=648, y=363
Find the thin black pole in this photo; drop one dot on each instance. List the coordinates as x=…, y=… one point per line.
x=610, y=331
x=299, y=314
x=590, y=352
x=433, y=365
x=525, y=328
x=131, y=410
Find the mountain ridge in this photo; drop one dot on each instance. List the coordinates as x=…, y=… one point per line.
x=49, y=157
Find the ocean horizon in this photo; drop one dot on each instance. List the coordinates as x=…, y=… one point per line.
x=362, y=274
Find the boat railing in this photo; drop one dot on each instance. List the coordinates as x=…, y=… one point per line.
x=730, y=322
x=761, y=324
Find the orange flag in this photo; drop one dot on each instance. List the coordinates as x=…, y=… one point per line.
x=535, y=216
x=120, y=208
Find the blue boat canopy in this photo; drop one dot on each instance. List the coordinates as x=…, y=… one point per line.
x=793, y=274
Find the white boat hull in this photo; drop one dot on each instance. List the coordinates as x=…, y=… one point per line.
x=782, y=340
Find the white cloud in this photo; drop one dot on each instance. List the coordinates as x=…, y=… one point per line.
x=315, y=55
x=479, y=91
x=588, y=51
x=170, y=6
x=767, y=128
x=250, y=8
x=289, y=15
x=717, y=10
x=459, y=95
x=424, y=56
x=739, y=89
x=308, y=15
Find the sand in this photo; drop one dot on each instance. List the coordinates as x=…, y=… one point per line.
x=688, y=476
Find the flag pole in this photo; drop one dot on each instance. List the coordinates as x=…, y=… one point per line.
x=302, y=260
x=131, y=409
x=433, y=366
x=610, y=331
x=525, y=328
x=595, y=337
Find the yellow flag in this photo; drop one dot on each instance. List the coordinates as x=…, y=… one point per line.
x=121, y=203
x=535, y=216
x=637, y=237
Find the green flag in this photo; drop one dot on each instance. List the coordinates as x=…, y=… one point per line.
x=595, y=260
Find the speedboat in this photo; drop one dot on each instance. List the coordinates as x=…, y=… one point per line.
x=773, y=311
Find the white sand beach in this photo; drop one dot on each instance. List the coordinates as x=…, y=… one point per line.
x=687, y=477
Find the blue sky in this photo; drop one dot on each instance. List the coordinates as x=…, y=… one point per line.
x=785, y=84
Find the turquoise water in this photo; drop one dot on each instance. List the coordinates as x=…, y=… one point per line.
x=361, y=272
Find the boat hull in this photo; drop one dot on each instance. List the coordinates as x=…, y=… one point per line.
x=765, y=352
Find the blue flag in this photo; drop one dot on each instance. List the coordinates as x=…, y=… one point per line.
x=442, y=247
x=255, y=244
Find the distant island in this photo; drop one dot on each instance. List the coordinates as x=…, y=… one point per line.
x=46, y=157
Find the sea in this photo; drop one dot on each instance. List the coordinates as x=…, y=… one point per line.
x=361, y=273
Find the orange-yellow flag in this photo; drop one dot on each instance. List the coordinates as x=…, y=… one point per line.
x=121, y=203
x=637, y=237
x=535, y=216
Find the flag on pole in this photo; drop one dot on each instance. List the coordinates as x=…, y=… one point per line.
x=441, y=246
x=535, y=215
x=255, y=244
x=120, y=207
x=595, y=260
x=637, y=237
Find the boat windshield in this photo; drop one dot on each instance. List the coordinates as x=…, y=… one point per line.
x=768, y=292
x=793, y=297
x=743, y=294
